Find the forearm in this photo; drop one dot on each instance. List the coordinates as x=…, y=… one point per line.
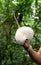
x=34, y=55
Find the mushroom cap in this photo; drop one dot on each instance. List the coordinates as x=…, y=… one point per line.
x=24, y=33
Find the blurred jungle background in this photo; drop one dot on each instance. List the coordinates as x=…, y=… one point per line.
x=15, y=14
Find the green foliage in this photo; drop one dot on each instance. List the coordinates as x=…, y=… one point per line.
x=10, y=52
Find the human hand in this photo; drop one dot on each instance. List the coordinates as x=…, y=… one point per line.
x=26, y=44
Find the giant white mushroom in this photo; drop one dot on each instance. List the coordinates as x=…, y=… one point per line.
x=24, y=33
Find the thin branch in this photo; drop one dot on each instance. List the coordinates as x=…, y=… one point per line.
x=4, y=21
x=16, y=20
